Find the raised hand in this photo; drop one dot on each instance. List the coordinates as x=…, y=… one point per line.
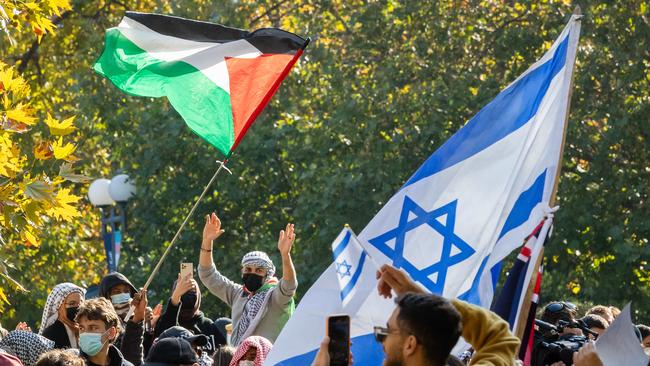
x=212, y=228
x=286, y=239
x=140, y=303
x=155, y=314
x=183, y=286
x=391, y=278
x=23, y=326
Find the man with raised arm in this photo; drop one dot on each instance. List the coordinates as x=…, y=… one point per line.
x=262, y=304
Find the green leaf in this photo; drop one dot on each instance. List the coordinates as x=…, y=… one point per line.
x=66, y=172
x=39, y=190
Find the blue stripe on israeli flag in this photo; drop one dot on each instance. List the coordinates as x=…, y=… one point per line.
x=349, y=258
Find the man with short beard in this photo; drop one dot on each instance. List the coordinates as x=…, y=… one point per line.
x=424, y=328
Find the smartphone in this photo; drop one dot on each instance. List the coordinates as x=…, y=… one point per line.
x=187, y=269
x=338, y=330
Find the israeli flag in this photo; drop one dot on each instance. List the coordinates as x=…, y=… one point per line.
x=350, y=261
x=465, y=209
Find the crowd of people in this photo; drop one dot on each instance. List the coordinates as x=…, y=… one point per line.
x=118, y=328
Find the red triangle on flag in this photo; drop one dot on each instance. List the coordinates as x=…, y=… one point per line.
x=253, y=81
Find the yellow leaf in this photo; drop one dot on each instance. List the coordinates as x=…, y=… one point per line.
x=21, y=114
x=57, y=5
x=61, y=150
x=33, y=211
x=62, y=128
x=43, y=151
x=62, y=208
x=29, y=237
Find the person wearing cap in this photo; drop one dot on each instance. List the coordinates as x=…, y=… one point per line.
x=116, y=288
x=183, y=309
x=172, y=352
x=262, y=304
x=198, y=342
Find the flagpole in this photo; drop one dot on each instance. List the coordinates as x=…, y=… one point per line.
x=521, y=325
x=222, y=165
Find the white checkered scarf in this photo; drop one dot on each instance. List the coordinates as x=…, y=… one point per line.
x=27, y=346
x=257, y=300
x=54, y=301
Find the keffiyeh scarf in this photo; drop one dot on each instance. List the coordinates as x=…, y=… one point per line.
x=262, y=345
x=54, y=301
x=255, y=305
x=27, y=346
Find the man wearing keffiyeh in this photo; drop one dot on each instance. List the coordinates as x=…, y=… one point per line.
x=262, y=304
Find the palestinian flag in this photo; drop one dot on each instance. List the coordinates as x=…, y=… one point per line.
x=218, y=78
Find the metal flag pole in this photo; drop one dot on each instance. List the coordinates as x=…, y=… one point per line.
x=222, y=166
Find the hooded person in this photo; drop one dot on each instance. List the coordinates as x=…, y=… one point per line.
x=26, y=346
x=252, y=352
x=263, y=304
x=183, y=309
x=116, y=288
x=61, y=307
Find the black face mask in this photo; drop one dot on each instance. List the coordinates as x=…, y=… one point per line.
x=71, y=313
x=252, y=282
x=188, y=300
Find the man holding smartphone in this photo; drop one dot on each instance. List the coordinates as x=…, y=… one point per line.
x=263, y=304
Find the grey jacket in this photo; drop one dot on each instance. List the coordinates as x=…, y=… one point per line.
x=275, y=314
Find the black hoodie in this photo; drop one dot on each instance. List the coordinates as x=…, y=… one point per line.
x=129, y=342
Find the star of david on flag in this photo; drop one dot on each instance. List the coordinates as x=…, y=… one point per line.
x=472, y=202
x=432, y=276
x=349, y=259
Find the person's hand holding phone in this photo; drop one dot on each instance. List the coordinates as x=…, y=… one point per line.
x=183, y=286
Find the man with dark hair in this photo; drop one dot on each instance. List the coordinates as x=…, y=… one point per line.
x=422, y=330
x=595, y=323
x=99, y=326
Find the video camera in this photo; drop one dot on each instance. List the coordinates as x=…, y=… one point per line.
x=551, y=346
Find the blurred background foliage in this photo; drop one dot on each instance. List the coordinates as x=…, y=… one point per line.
x=381, y=86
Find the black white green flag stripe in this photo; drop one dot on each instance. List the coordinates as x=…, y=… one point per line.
x=218, y=78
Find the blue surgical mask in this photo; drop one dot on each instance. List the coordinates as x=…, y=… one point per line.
x=122, y=298
x=91, y=343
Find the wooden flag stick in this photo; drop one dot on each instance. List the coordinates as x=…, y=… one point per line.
x=521, y=325
x=222, y=166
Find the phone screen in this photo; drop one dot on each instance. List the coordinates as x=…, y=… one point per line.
x=338, y=329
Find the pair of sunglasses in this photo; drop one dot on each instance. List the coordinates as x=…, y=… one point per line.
x=380, y=333
x=556, y=307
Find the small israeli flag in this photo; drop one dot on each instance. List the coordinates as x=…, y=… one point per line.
x=349, y=261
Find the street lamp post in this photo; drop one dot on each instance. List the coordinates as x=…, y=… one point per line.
x=111, y=197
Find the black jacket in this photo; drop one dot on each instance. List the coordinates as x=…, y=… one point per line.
x=129, y=342
x=114, y=355
x=198, y=324
x=57, y=333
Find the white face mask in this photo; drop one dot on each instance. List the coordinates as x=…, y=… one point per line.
x=246, y=363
